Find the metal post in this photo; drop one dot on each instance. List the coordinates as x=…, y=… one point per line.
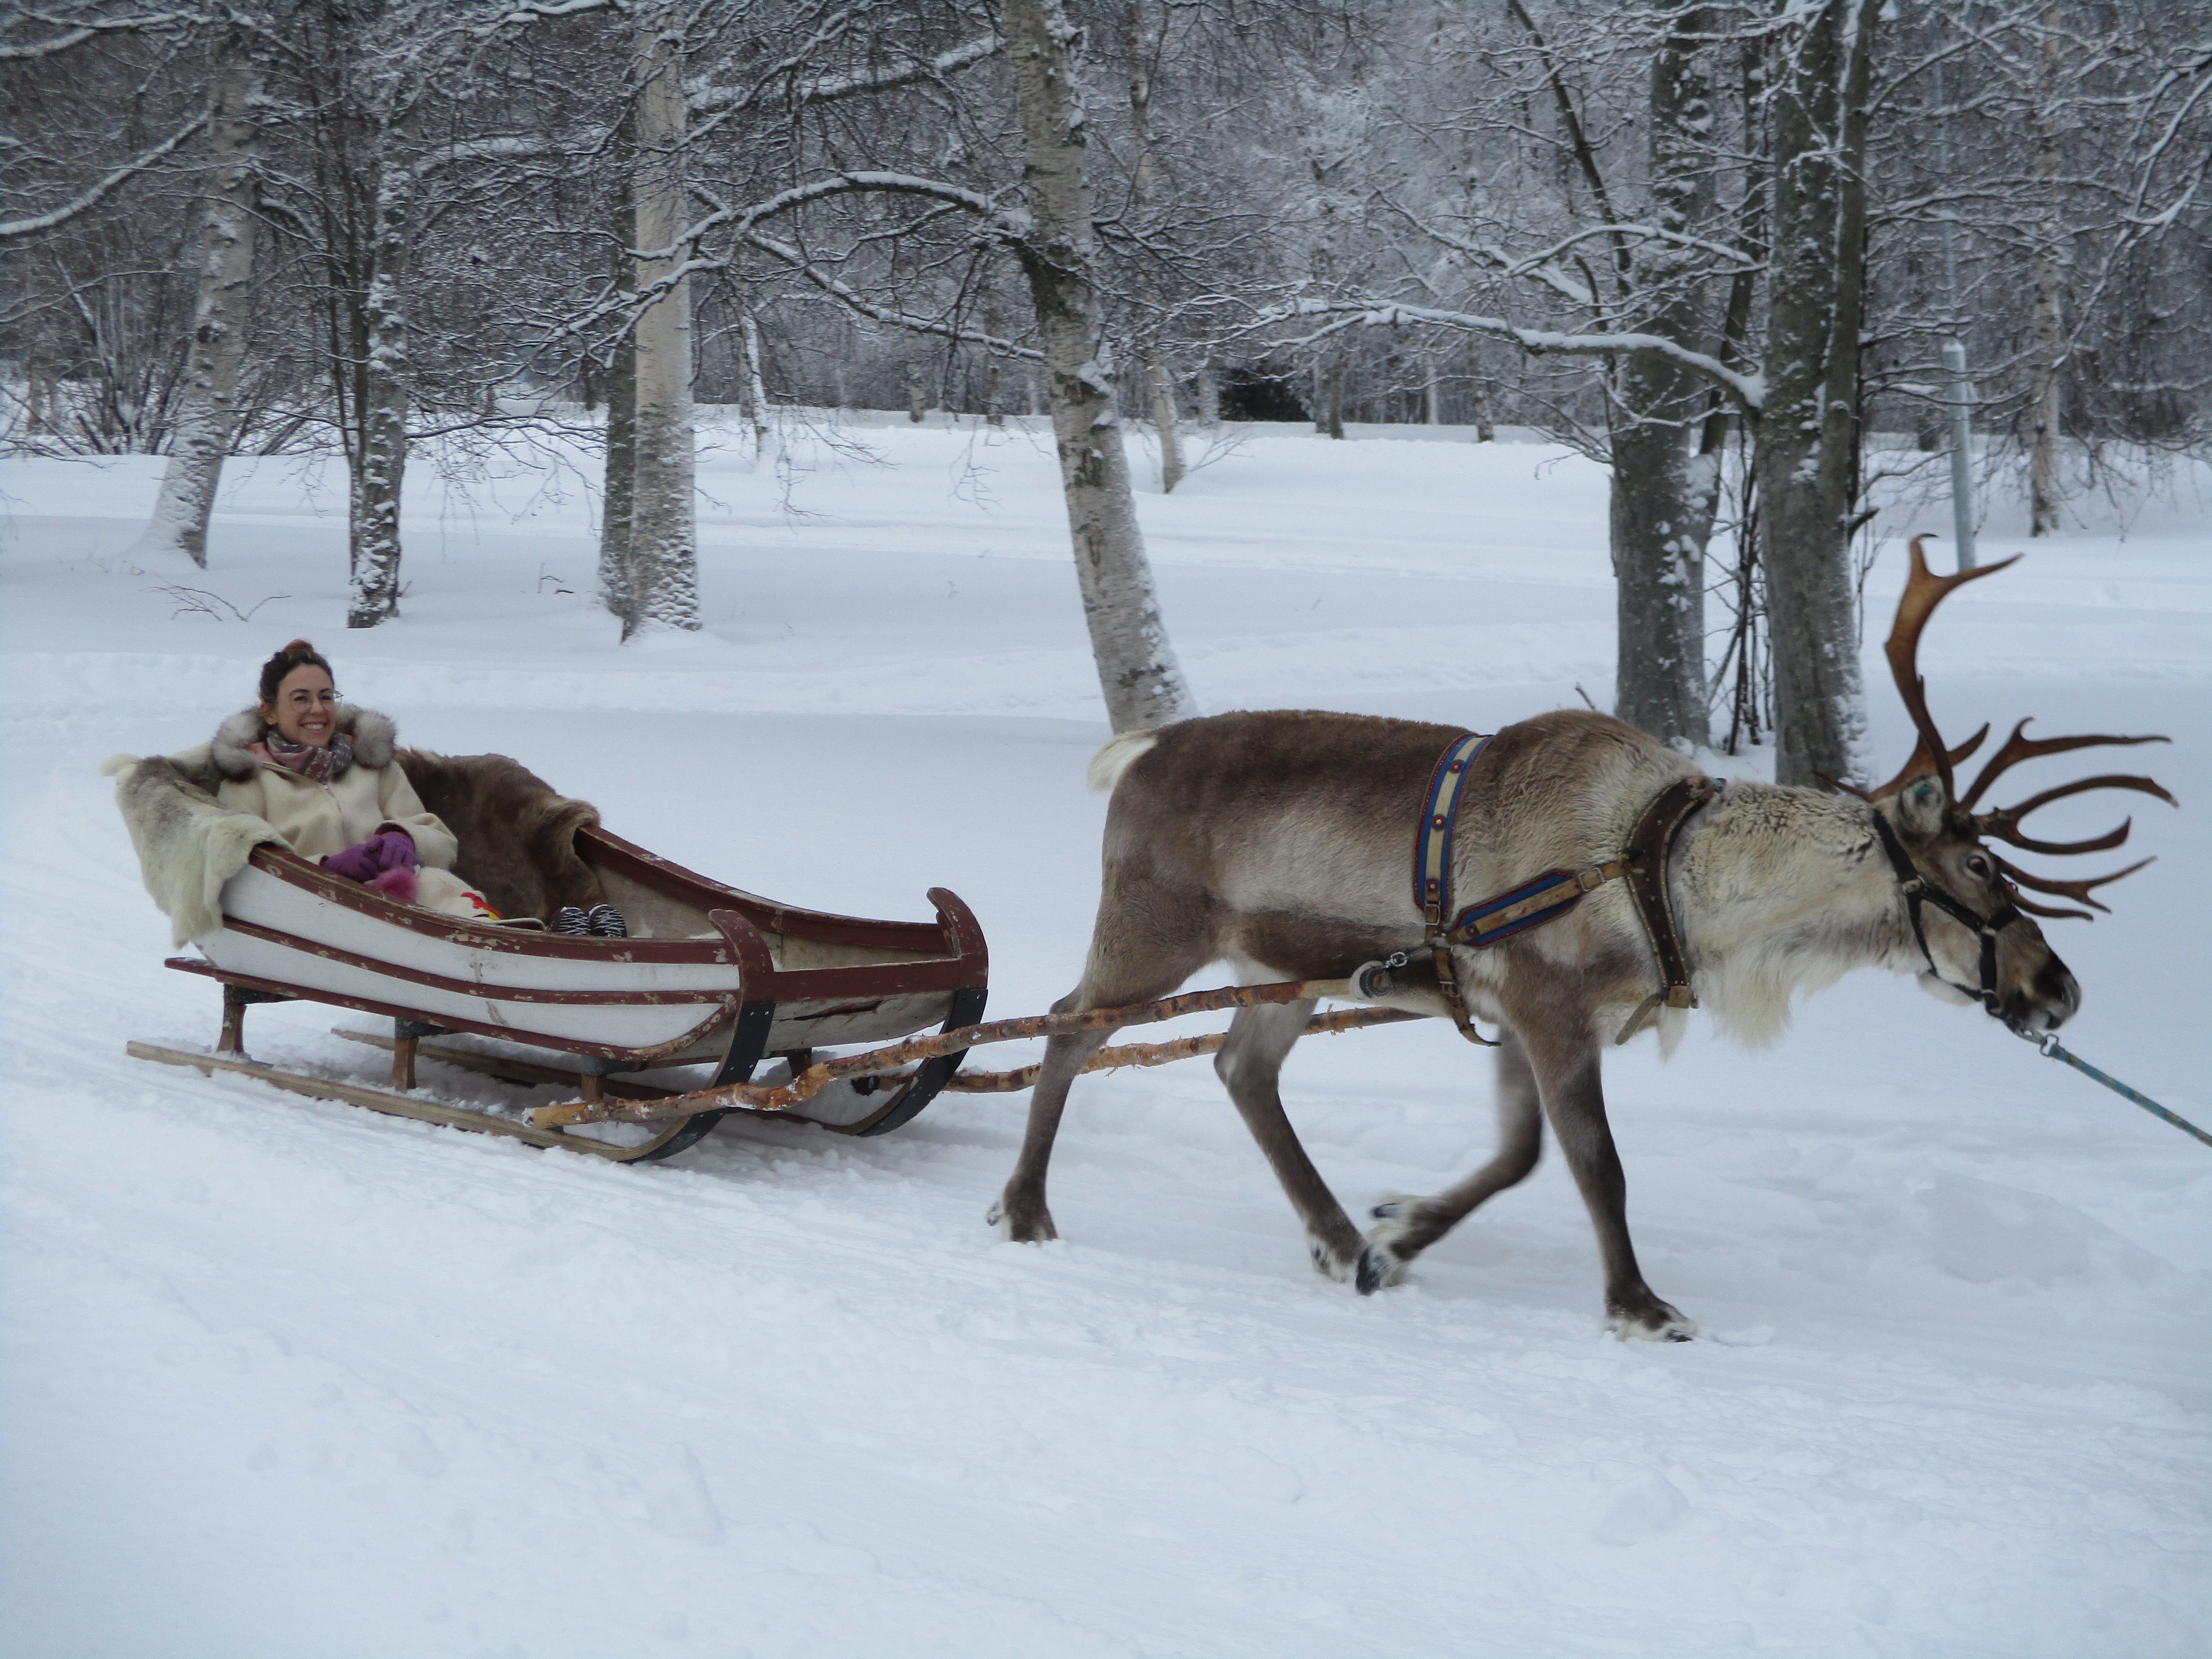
x=1960, y=391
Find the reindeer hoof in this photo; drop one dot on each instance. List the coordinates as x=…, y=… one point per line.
x=1325, y=1261
x=1021, y=1229
x=1379, y=1269
x=1656, y=1323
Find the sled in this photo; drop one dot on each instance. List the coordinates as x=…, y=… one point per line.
x=711, y=976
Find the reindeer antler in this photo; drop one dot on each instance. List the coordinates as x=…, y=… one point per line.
x=2077, y=890
x=1923, y=592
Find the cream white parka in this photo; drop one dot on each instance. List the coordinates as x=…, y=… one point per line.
x=318, y=819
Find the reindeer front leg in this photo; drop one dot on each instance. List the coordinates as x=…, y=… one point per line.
x=1566, y=1069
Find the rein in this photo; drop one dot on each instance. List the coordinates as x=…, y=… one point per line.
x=1550, y=895
x=1918, y=890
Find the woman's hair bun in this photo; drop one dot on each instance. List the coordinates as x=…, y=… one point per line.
x=299, y=653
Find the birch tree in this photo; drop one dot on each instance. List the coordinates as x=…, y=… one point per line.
x=208, y=414
x=661, y=590
x=380, y=464
x=1138, y=672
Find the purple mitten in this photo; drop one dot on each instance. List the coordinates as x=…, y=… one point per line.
x=388, y=849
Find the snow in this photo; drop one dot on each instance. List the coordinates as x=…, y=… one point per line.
x=284, y=1378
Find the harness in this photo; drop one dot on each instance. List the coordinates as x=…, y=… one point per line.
x=1918, y=890
x=1549, y=896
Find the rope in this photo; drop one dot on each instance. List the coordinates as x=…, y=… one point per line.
x=2050, y=1049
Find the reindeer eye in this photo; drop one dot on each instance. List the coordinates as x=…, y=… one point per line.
x=1977, y=866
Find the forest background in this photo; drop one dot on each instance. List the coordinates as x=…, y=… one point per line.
x=1759, y=259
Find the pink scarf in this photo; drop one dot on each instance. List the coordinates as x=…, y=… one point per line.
x=319, y=764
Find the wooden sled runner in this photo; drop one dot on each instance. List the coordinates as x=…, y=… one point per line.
x=711, y=976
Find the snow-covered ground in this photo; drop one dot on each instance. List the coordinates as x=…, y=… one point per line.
x=284, y=1378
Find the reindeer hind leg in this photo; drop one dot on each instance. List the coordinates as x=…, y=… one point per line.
x=1407, y=1226
x=1129, y=964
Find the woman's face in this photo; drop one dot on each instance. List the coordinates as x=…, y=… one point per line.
x=307, y=708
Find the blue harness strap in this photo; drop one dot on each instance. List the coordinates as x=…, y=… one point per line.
x=1548, y=898
x=1432, y=844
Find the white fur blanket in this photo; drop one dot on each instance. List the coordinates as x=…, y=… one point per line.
x=189, y=843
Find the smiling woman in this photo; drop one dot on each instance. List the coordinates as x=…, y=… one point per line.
x=323, y=774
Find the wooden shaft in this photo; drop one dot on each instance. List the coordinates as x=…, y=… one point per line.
x=1163, y=1054
x=402, y=1062
x=773, y=1099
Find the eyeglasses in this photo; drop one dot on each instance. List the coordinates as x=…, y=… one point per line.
x=301, y=697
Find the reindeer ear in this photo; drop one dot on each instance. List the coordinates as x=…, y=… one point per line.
x=1919, y=807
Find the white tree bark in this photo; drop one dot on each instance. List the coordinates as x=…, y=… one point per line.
x=756, y=386
x=1158, y=380
x=617, y=504
x=1808, y=428
x=210, y=413
x=664, y=560
x=1137, y=668
x=380, y=460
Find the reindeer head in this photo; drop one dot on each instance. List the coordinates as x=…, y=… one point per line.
x=1976, y=932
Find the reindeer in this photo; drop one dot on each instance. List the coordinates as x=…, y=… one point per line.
x=1278, y=842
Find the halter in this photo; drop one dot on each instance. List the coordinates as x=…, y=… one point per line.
x=1918, y=890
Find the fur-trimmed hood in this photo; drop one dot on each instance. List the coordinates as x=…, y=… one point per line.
x=374, y=737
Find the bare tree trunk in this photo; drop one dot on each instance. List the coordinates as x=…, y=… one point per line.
x=1164, y=422
x=1432, y=390
x=994, y=378
x=2043, y=349
x=756, y=386
x=1209, y=396
x=380, y=464
x=1162, y=384
x=664, y=562
x=1137, y=668
x=1807, y=429
x=1333, y=398
x=617, y=505
x=917, y=387
x=1664, y=493
x=210, y=411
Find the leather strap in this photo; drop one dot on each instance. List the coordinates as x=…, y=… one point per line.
x=1918, y=890
x=1647, y=857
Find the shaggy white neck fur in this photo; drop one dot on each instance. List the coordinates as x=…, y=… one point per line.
x=1781, y=891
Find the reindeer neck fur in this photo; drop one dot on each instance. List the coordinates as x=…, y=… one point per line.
x=1782, y=892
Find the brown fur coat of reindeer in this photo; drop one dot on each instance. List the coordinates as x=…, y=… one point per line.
x=1280, y=842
